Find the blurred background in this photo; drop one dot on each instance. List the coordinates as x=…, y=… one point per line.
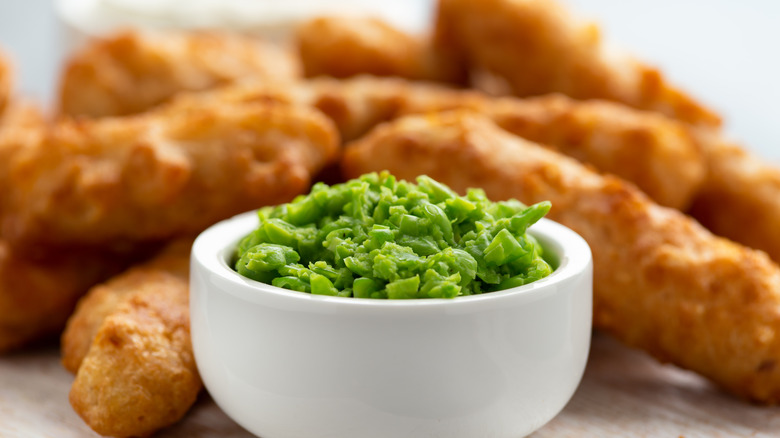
x=723, y=52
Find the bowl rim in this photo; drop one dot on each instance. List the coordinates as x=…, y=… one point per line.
x=212, y=247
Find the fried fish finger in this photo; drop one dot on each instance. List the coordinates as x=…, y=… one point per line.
x=156, y=176
x=740, y=198
x=662, y=282
x=129, y=344
x=654, y=152
x=349, y=46
x=131, y=72
x=537, y=47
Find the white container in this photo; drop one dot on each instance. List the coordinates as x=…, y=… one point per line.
x=271, y=19
x=290, y=364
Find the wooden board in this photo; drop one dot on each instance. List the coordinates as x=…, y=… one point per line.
x=624, y=393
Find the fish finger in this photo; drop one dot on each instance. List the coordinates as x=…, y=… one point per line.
x=130, y=72
x=662, y=282
x=342, y=47
x=129, y=344
x=120, y=181
x=537, y=47
x=658, y=154
x=740, y=198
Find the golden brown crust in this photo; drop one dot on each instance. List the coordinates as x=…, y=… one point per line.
x=156, y=176
x=38, y=295
x=355, y=105
x=5, y=82
x=662, y=282
x=654, y=152
x=104, y=299
x=130, y=72
x=741, y=196
x=138, y=373
x=343, y=47
x=22, y=127
x=538, y=48
x=21, y=115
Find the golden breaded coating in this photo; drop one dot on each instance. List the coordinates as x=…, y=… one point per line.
x=652, y=151
x=656, y=153
x=130, y=342
x=5, y=81
x=21, y=115
x=130, y=72
x=114, y=181
x=103, y=300
x=537, y=47
x=662, y=282
x=349, y=46
x=22, y=127
x=355, y=105
x=38, y=295
x=741, y=196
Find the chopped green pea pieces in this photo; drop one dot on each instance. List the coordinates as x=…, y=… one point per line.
x=376, y=237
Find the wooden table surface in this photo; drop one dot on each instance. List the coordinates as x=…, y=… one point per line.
x=624, y=393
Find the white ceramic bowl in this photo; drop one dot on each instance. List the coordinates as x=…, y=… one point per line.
x=289, y=364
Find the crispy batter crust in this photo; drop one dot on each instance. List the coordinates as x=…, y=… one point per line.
x=155, y=176
x=355, y=105
x=22, y=127
x=130, y=342
x=653, y=152
x=349, y=46
x=537, y=47
x=656, y=153
x=5, y=81
x=741, y=196
x=662, y=282
x=130, y=72
x=38, y=295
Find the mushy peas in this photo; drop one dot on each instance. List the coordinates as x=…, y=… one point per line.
x=376, y=237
